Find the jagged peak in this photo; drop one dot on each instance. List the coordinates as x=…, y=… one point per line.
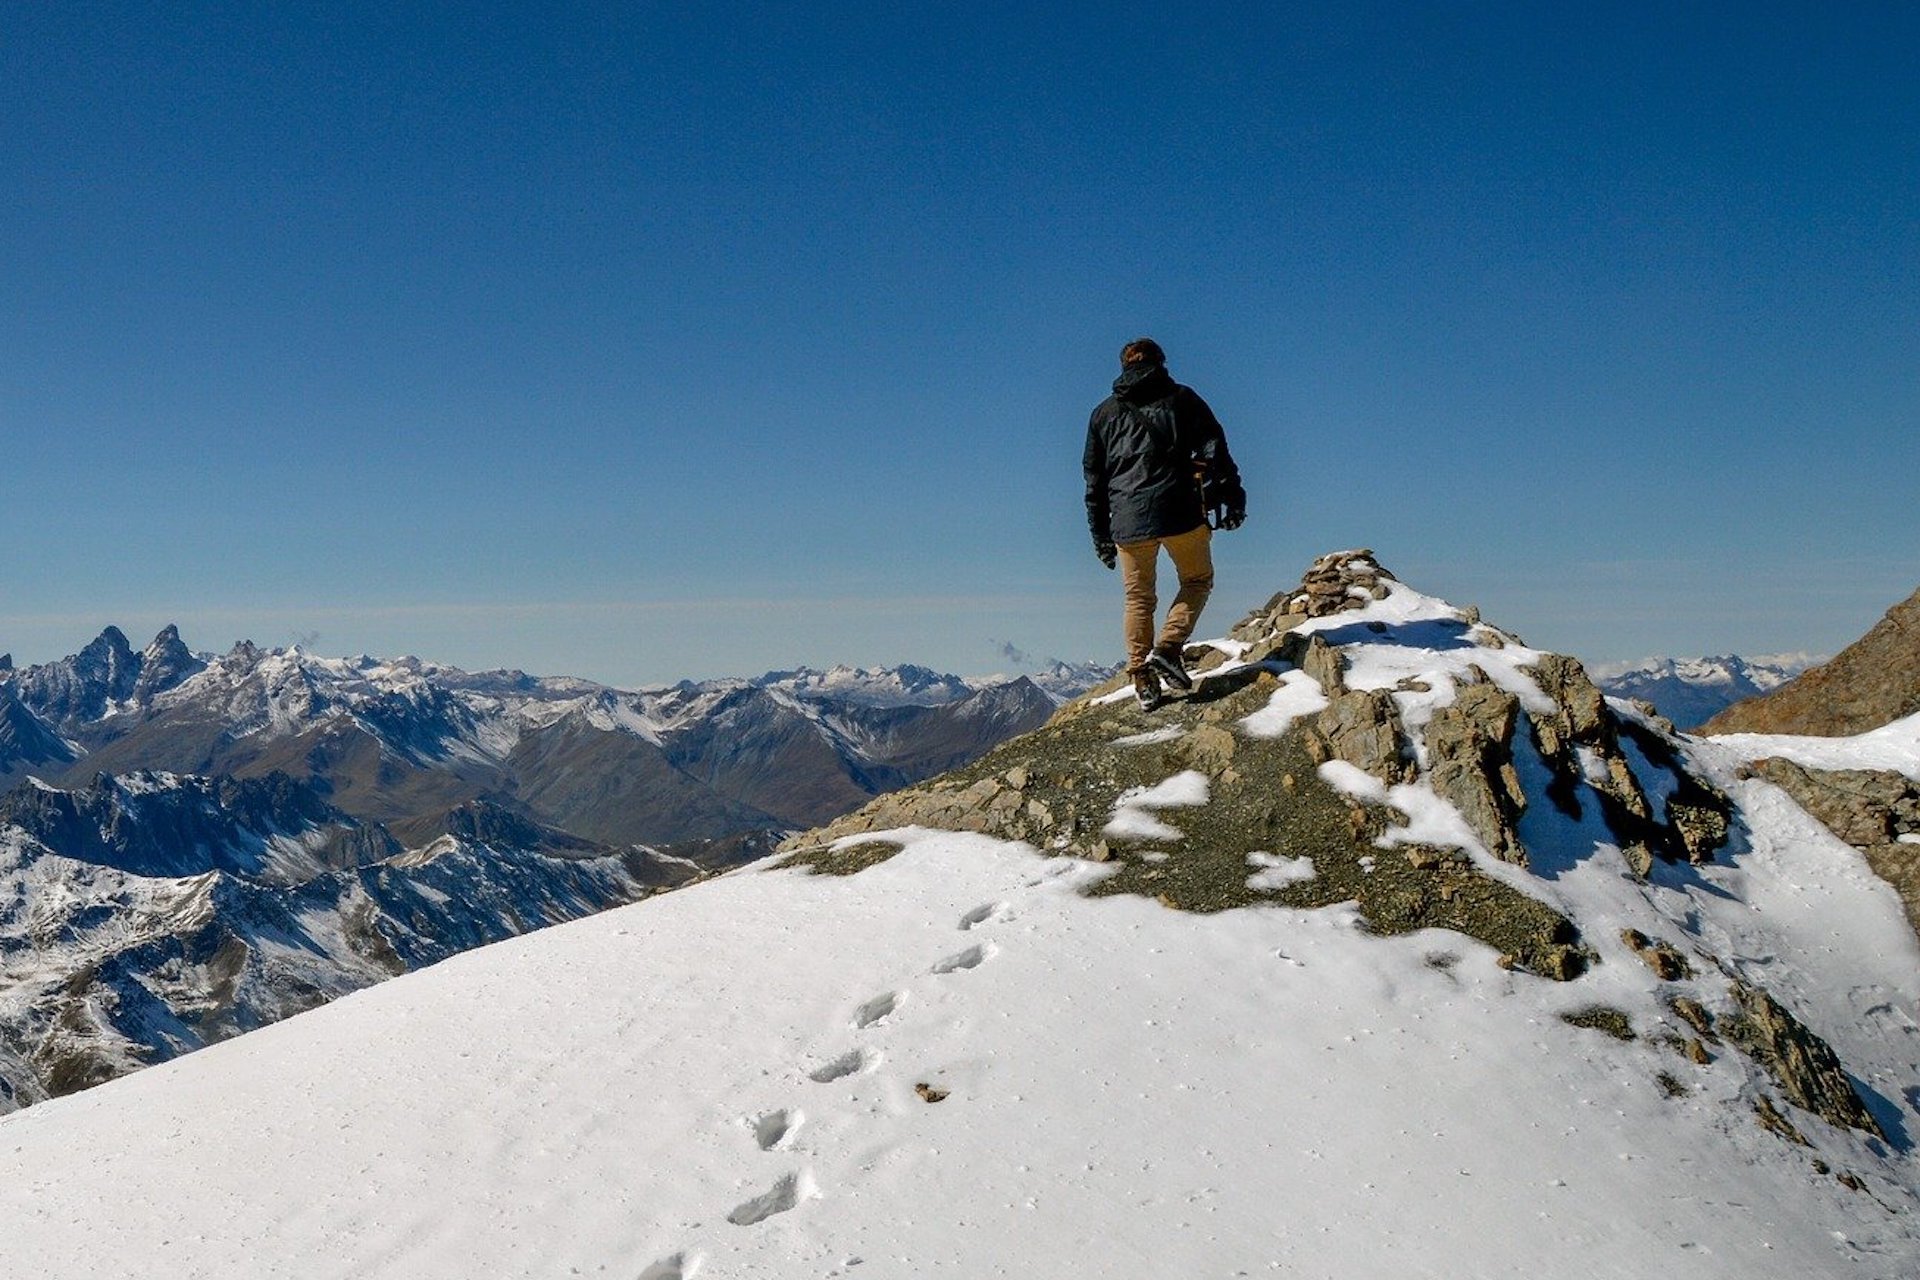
x=167, y=639
x=905, y=684
x=110, y=640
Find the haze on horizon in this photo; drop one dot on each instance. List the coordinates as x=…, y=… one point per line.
x=643, y=345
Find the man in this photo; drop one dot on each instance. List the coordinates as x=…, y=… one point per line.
x=1157, y=469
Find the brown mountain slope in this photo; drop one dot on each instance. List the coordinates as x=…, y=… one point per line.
x=1875, y=681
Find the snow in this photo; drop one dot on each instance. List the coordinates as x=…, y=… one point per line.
x=1132, y=1091
x=877, y=686
x=482, y=717
x=1895, y=746
x=1133, y=817
x=1430, y=820
x=142, y=782
x=1277, y=871
x=612, y=713
x=1350, y=779
x=1299, y=695
x=1150, y=737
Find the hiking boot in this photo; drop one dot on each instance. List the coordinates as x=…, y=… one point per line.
x=1167, y=664
x=1146, y=689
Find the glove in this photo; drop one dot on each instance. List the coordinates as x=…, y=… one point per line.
x=1107, y=553
x=1226, y=503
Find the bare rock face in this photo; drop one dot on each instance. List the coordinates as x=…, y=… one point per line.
x=1666, y=961
x=1804, y=1065
x=1582, y=723
x=1874, y=681
x=1581, y=739
x=1363, y=728
x=1315, y=656
x=1470, y=743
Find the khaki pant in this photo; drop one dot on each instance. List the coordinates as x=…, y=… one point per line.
x=1192, y=556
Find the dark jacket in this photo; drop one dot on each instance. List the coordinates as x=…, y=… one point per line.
x=1149, y=446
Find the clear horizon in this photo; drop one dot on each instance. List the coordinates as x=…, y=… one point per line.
x=642, y=346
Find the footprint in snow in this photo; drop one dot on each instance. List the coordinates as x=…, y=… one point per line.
x=848, y=1063
x=780, y=1197
x=986, y=913
x=877, y=1010
x=774, y=1130
x=1053, y=871
x=679, y=1266
x=971, y=958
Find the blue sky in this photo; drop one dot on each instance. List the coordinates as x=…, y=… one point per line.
x=644, y=341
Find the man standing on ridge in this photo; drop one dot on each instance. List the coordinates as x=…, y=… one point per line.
x=1158, y=475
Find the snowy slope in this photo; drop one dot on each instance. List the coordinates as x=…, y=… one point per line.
x=1133, y=1092
x=1895, y=746
x=723, y=1081
x=149, y=915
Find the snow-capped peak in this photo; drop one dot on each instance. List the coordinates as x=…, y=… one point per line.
x=1690, y=691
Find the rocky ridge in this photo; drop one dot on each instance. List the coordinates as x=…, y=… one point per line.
x=1872, y=682
x=1355, y=741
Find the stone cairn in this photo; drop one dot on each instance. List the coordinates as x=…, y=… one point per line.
x=1337, y=582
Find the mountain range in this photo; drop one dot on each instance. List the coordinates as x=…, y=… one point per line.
x=1393, y=948
x=196, y=845
x=1691, y=691
x=401, y=741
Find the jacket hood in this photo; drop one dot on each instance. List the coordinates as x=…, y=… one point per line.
x=1143, y=383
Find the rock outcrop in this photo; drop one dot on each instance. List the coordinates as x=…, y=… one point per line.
x=1808, y=1070
x=1874, y=681
x=1056, y=788
x=1471, y=744
x=1864, y=807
